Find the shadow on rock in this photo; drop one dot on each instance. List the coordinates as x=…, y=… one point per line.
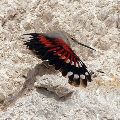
x=28, y=85
x=38, y=70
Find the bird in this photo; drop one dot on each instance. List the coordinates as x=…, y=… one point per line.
x=55, y=47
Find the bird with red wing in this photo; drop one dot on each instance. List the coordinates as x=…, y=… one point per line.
x=55, y=48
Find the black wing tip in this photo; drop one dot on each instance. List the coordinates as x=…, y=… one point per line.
x=32, y=34
x=79, y=81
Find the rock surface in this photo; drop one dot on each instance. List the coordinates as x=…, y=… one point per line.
x=30, y=91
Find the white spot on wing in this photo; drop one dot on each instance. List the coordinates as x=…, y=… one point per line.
x=82, y=76
x=76, y=76
x=72, y=63
x=69, y=73
x=77, y=65
x=80, y=65
x=68, y=61
x=86, y=73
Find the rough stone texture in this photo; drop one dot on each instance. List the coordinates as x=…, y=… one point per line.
x=92, y=22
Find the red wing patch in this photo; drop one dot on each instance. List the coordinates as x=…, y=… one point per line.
x=60, y=55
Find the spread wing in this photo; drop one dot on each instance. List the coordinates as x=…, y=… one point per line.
x=60, y=55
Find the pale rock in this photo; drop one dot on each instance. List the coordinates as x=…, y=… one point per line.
x=44, y=94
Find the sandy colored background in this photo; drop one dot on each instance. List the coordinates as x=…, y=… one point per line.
x=92, y=22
